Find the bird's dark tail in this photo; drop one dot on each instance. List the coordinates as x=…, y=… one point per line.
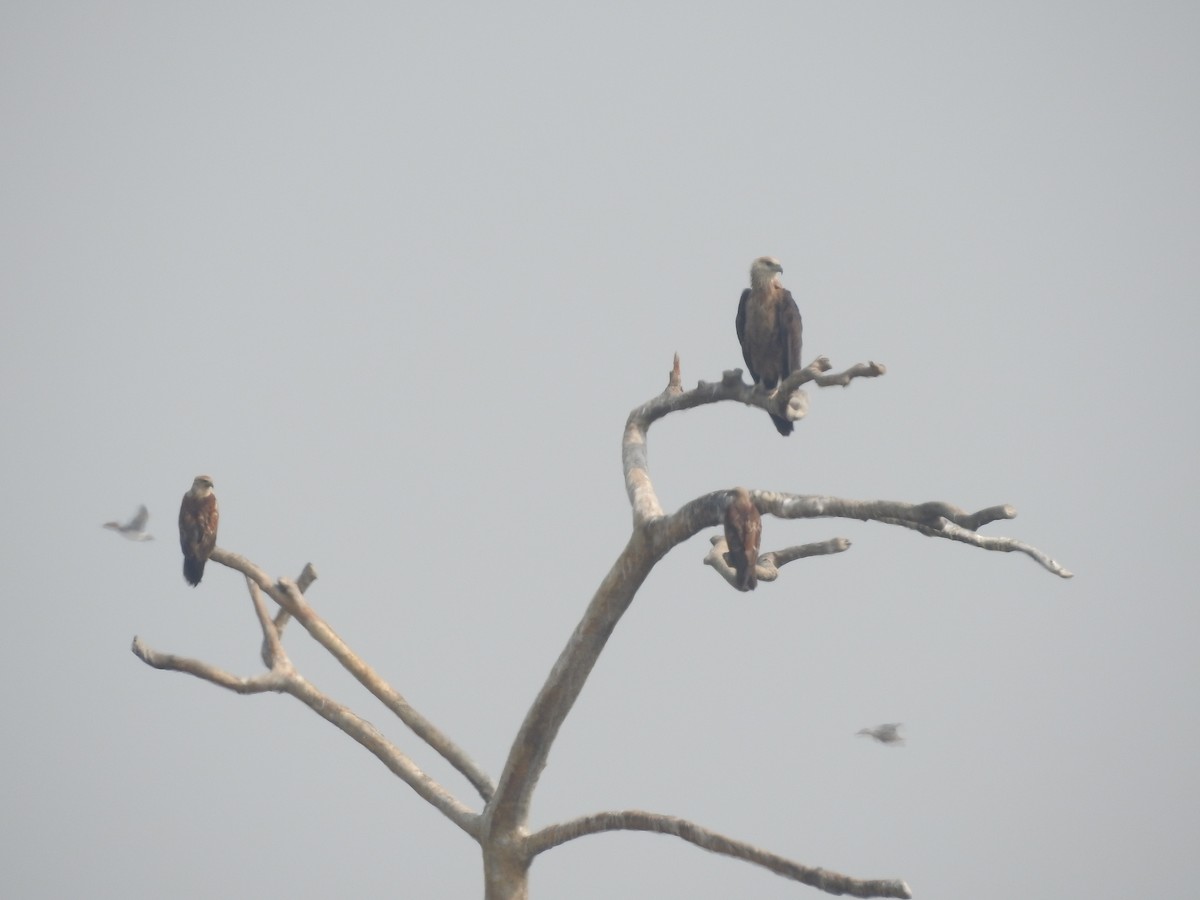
x=747, y=577
x=193, y=570
x=783, y=426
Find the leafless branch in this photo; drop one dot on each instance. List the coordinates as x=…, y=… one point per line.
x=637, y=820
x=288, y=595
x=389, y=696
x=272, y=650
x=783, y=402
x=283, y=679
x=933, y=519
x=955, y=532
x=369, y=736
x=282, y=617
x=768, y=565
x=843, y=379
x=169, y=662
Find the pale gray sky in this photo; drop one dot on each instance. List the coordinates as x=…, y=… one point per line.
x=395, y=275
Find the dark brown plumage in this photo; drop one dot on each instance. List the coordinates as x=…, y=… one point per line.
x=743, y=531
x=769, y=329
x=198, y=516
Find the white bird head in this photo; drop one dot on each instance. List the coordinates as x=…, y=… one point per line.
x=764, y=270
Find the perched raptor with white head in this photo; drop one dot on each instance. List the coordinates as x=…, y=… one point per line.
x=769, y=329
x=198, y=516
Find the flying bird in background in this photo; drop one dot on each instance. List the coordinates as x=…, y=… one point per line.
x=197, y=527
x=743, y=530
x=885, y=734
x=135, y=528
x=769, y=330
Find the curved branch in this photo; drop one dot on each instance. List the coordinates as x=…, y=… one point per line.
x=999, y=544
x=637, y=820
x=786, y=401
x=288, y=595
x=169, y=662
x=768, y=565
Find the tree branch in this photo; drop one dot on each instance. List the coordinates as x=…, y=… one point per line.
x=169, y=662
x=768, y=565
x=785, y=402
x=369, y=736
x=933, y=519
x=282, y=678
x=282, y=617
x=509, y=809
x=637, y=820
x=288, y=595
x=272, y=650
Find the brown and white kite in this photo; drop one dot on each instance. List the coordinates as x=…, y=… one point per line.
x=743, y=532
x=769, y=329
x=198, y=517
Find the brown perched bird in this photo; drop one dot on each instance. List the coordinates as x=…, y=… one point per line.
x=743, y=529
x=198, y=517
x=769, y=330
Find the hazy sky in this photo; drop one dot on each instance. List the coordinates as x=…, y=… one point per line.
x=394, y=275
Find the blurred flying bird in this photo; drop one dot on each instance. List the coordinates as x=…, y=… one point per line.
x=135, y=528
x=885, y=734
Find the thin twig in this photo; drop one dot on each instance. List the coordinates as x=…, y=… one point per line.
x=307, y=577
x=272, y=649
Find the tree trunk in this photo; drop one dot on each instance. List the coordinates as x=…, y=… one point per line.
x=505, y=873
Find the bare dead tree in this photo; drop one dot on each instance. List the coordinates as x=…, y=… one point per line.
x=500, y=826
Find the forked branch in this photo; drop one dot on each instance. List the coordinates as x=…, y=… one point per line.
x=289, y=595
x=282, y=678
x=784, y=401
